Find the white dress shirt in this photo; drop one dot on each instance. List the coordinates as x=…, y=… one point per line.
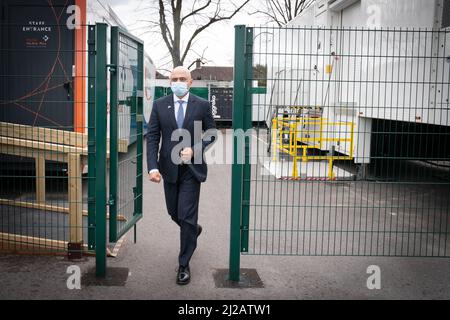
x=176, y=100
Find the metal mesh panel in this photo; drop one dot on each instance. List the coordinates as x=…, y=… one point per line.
x=353, y=159
x=44, y=130
x=127, y=154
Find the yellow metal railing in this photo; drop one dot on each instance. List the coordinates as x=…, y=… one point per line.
x=309, y=139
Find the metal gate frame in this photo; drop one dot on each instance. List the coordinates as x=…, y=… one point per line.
x=97, y=91
x=98, y=142
x=241, y=170
x=136, y=103
x=242, y=119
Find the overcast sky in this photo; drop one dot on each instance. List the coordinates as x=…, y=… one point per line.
x=218, y=39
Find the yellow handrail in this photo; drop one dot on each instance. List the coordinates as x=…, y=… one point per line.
x=295, y=127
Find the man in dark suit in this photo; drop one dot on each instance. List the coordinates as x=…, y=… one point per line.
x=178, y=121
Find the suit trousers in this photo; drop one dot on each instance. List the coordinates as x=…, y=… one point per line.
x=182, y=199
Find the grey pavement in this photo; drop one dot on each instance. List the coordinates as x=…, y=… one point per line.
x=152, y=264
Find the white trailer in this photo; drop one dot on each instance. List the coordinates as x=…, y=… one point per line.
x=359, y=60
x=99, y=12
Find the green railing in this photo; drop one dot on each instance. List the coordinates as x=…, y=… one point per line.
x=389, y=186
x=60, y=172
x=126, y=131
x=198, y=91
x=100, y=148
x=47, y=144
x=125, y=138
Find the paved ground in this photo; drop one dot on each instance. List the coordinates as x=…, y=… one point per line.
x=152, y=264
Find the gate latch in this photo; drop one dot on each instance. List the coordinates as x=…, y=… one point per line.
x=111, y=201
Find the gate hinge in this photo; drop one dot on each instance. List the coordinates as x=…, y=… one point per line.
x=112, y=68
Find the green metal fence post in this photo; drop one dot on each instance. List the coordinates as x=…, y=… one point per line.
x=237, y=168
x=100, y=154
x=247, y=124
x=140, y=132
x=113, y=135
x=91, y=137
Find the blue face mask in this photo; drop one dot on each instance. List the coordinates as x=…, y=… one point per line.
x=180, y=89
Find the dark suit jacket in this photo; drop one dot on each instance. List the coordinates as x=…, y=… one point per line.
x=163, y=124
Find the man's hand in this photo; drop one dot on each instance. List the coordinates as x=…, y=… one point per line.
x=155, y=177
x=186, y=155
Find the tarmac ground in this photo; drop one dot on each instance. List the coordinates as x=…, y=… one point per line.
x=147, y=269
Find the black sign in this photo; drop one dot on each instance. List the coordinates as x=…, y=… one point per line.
x=36, y=64
x=222, y=103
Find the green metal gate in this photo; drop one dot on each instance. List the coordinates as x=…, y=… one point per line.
x=165, y=91
x=61, y=183
x=125, y=149
x=353, y=159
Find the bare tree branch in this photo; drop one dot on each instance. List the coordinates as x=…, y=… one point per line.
x=271, y=16
x=175, y=22
x=213, y=20
x=165, y=31
x=196, y=11
x=178, y=27
x=281, y=11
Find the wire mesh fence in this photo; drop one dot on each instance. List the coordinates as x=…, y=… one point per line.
x=44, y=134
x=57, y=153
x=353, y=157
x=127, y=117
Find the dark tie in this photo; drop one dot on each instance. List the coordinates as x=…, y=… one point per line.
x=180, y=116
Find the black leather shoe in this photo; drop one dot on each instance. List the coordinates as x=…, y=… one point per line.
x=199, y=230
x=183, y=276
